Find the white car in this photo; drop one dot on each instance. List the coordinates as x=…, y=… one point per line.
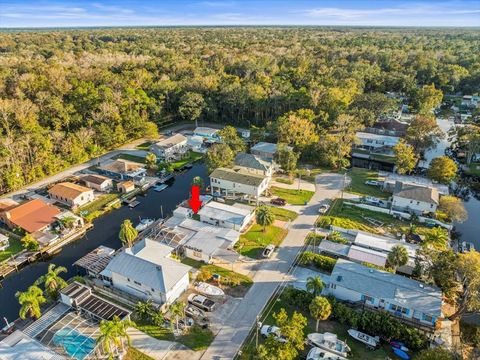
x=373, y=183
x=267, y=330
x=323, y=209
x=268, y=251
x=372, y=200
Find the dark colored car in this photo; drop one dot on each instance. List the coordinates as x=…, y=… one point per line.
x=278, y=201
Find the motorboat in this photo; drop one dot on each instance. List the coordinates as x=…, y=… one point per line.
x=143, y=224
x=399, y=345
x=159, y=188
x=209, y=290
x=329, y=342
x=400, y=353
x=370, y=341
x=316, y=353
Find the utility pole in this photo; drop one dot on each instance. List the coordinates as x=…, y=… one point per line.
x=258, y=324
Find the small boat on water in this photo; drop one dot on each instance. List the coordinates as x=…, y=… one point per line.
x=143, y=224
x=400, y=353
x=399, y=345
x=209, y=290
x=159, y=188
x=329, y=342
x=370, y=341
x=133, y=204
x=316, y=353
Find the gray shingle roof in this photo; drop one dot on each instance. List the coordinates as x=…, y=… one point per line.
x=237, y=176
x=415, y=192
x=252, y=161
x=394, y=289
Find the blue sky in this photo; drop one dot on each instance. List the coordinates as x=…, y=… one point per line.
x=55, y=13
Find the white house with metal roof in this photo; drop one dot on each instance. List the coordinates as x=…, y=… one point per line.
x=255, y=164
x=209, y=134
x=236, y=216
x=415, y=198
x=399, y=295
x=19, y=346
x=266, y=150
x=234, y=182
x=373, y=141
x=147, y=272
x=170, y=148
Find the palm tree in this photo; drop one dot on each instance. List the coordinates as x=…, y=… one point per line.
x=315, y=285
x=113, y=334
x=177, y=309
x=398, y=256
x=52, y=280
x=30, y=302
x=264, y=216
x=127, y=233
x=68, y=222
x=320, y=308
x=144, y=309
x=437, y=238
x=29, y=242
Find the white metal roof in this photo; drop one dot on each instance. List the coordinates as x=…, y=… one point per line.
x=383, y=243
x=223, y=212
x=18, y=346
x=386, y=139
x=367, y=255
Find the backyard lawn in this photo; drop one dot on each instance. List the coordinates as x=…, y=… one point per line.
x=134, y=354
x=253, y=242
x=14, y=248
x=99, y=203
x=144, y=146
x=138, y=159
x=358, y=186
x=352, y=217
x=292, y=196
x=283, y=214
x=192, y=156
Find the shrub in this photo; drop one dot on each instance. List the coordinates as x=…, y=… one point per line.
x=297, y=297
x=204, y=274
x=322, y=262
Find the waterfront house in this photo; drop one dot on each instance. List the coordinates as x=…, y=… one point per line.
x=196, y=143
x=374, y=150
x=254, y=164
x=170, y=148
x=405, y=298
x=4, y=242
x=266, y=150
x=126, y=186
x=415, y=198
x=236, y=216
x=208, y=134
x=98, y=182
x=71, y=194
x=19, y=346
x=146, y=271
x=391, y=179
x=123, y=169
x=372, y=141
x=234, y=182
x=31, y=216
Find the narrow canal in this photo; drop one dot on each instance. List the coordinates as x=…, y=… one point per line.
x=105, y=232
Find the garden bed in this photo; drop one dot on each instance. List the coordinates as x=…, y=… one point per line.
x=253, y=242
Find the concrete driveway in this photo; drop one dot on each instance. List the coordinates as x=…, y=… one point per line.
x=271, y=274
x=156, y=349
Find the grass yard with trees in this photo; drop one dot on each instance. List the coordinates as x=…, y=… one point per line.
x=292, y=196
x=253, y=242
x=357, y=185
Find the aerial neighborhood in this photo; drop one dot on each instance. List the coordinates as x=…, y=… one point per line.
x=183, y=225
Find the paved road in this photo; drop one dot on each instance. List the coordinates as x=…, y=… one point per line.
x=271, y=274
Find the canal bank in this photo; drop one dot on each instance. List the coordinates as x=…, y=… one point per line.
x=104, y=232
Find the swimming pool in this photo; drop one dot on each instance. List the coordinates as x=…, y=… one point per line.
x=76, y=345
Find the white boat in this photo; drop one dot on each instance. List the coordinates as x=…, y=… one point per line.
x=371, y=341
x=316, y=353
x=209, y=290
x=159, y=188
x=329, y=342
x=143, y=224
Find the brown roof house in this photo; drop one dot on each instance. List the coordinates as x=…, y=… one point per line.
x=126, y=186
x=71, y=194
x=31, y=216
x=123, y=169
x=98, y=182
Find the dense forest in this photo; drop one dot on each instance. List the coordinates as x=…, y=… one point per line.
x=68, y=95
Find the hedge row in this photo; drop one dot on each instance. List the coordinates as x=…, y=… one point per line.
x=322, y=262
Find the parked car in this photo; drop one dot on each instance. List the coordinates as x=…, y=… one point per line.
x=323, y=209
x=267, y=330
x=201, y=302
x=371, y=200
x=373, y=183
x=278, y=201
x=194, y=312
x=268, y=251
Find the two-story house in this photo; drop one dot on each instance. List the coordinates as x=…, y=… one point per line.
x=255, y=164
x=170, y=148
x=415, y=198
x=402, y=297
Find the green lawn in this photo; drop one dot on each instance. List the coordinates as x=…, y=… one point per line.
x=138, y=159
x=359, y=351
x=192, y=156
x=283, y=214
x=134, y=354
x=99, y=203
x=253, y=242
x=284, y=180
x=14, y=248
x=352, y=217
x=358, y=186
x=144, y=146
x=155, y=331
x=292, y=196
x=197, y=338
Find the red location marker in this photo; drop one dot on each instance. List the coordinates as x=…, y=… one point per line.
x=194, y=201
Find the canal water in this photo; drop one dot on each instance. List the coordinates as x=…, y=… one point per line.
x=104, y=232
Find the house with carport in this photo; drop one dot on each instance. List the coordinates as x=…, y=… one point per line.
x=71, y=194
x=98, y=182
